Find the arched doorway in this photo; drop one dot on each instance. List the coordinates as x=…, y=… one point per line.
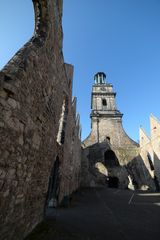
x=110, y=159
x=53, y=189
x=111, y=162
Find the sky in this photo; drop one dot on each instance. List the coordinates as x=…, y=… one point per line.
x=118, y=37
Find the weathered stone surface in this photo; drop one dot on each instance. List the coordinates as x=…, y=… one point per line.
x=150, y=150
x=109, y=144
x=33, y=87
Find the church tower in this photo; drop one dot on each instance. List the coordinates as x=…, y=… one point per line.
x=106, y=119
x=108, y=150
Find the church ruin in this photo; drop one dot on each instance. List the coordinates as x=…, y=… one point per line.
x=109, y=155
x=42, y=159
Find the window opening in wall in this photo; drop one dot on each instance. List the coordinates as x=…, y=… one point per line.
x=62, y=136
x=108, y=139
x=150, y=161
x=104, y=102
x=152, y=168
x=101, y=78
x=62, y=122
x=53, y=189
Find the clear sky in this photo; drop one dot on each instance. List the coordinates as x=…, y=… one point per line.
x=118, y=37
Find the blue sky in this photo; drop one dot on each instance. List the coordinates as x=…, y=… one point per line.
x=118, y=37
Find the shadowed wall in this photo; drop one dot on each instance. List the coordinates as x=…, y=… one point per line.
x=33, y=87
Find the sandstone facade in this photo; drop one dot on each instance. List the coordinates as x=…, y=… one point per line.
x=39, y=128
x=108, y=152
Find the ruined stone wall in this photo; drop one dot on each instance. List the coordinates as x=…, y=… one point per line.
x=107, y=128
x=32, y=89
x=145, y=149
x=155, y=142
x=70, y=175
x=131, y=171
x=150, y=149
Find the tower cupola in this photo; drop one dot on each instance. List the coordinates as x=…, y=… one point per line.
x=103, y=103
x=100, y=78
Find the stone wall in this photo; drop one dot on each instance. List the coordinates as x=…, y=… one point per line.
x=130, y=171
x=150, y=149
x=112, y=128
x=109, y=144
x=33, y=88
x=134, y=170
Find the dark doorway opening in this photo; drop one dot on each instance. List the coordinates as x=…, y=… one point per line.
x=108, y=139
x=110, y=159
x=53, y=189
x=113, y=182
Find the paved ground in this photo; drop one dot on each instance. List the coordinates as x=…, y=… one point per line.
x=104, y=214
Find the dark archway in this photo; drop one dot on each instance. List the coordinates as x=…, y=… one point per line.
x=53, y=189
x=110, y=159
x=113, y=182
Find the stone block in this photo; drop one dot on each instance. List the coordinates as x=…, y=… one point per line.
x=11, y=173
x=3, y=93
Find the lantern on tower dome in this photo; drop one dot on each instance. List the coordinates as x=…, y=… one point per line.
x=100, y=78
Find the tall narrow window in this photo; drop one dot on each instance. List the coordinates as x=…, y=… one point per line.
x=53, y=188
x=101, y=79
x=104, y=104
x=108, y=139
x=62, y=122
x=150, y=161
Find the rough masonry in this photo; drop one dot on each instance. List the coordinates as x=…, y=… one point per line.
x=39, y=127
x=40, y=150
x=109, y=155
x=150, y=150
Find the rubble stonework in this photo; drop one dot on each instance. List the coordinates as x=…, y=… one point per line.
x=108, y=144
x=41, y=152
x=39, y=127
